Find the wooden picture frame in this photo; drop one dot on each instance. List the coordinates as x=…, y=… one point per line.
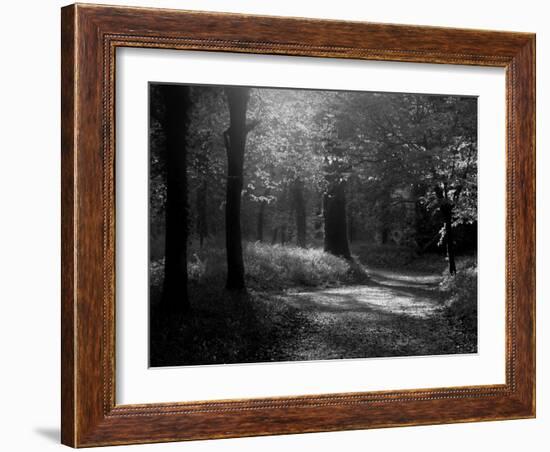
x=90, y=36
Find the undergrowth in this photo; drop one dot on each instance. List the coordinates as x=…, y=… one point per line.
x=272, y=267
x=259, y=326
x=394, y=256
x=460, y=294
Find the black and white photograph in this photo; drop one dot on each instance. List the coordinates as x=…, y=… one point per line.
x=304, y=225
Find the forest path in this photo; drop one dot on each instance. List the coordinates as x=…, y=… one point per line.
x=396, y=313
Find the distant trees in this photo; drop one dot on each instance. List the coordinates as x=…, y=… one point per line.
x=428, y=141
x=260, y=221
x=283, y=167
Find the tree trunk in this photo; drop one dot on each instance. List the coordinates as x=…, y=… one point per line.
x=202, y=224
x=300, y=210
x=283, y=234
x=384, y=235
x=385, y=216
x=350, y=225
x=318, y=223
x=174, y=294
x=336, y=229
x=274, y=236
x=447, y=211
x=260, y=224
x=235, y=140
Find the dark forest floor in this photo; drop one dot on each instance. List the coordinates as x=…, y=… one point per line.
x=392, y=312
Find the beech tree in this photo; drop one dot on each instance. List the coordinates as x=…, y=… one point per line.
x=235, y=142
x=336, y=172
x=176, y=102
x=299, y=206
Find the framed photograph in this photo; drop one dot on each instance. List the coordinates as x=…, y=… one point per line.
x=281, y=225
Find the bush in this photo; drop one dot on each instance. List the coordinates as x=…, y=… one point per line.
x=460, y=292
x=267, y=267
x=281, y=266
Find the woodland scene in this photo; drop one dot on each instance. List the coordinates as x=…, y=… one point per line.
x=294, y=224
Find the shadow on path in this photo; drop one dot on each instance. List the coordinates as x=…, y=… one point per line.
x=394, y=314
x=387, y=292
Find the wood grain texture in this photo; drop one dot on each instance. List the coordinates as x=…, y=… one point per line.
x=68, y=244
x=90, y=36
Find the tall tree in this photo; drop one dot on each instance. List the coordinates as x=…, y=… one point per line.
x=446, y=208
x=176, y=100
x=336, y=170
x=201, y=162
x=299, y=206
x=202, y=217
x=336, y=229
x=235, y=142
x=260, y=222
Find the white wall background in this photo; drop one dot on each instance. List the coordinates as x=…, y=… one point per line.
x=29, y=225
